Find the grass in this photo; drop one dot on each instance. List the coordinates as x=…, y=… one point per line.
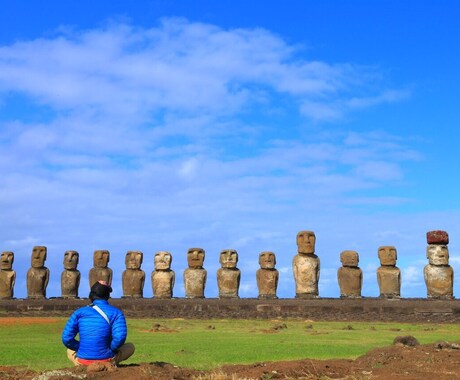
x=208, y=344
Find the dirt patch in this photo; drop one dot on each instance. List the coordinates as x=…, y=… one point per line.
x=440, y=361
x=7, y=321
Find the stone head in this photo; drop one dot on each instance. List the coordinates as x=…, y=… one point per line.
x=71, y=259
x=228, y=258
x=162, y=260
x=306, y=242
x=437, y=254
x=195, y=258
x=38, y=256
x=101, y=258
x=7, y=259
x=133, y=259
x=267, y=260
x=349, y=258
x=388, y=255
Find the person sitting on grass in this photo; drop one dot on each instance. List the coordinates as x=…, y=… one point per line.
x=102, y=329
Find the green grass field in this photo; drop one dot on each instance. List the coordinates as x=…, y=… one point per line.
x=207, y=344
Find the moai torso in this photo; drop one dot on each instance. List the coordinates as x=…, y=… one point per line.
x=388, y=275
x=228, y=276
x=267, y=276
x=100, y=270
x=70, y=277
x=7, y=275
x=439, y=275
x=163, y=277
x=350, y=276
x=306, y=266
x=133, y=278
x=38, y=275
x=195, y=275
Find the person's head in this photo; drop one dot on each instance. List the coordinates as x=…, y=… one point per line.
x=101, y=258
x=437, y=254
x=267, y=260
x=388, y=255
x=306, y=242
x=71, y=260
x=162, y=260
x=7, y=260
x=349, y=258
x=133, y=259
x=100, y=291
x=38, y=257
x=228, y=258
x=195, y=258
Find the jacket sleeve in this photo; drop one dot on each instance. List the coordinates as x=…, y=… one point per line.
x=70, y=332
x=119, y=332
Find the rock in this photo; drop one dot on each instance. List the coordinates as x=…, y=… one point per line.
x=407, y=340
x=437, y=237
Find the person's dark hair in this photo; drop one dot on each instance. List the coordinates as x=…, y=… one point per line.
x=100, y=290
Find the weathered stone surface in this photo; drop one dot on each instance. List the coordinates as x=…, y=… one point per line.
x=70, y=277
x=195, y=276
x=439, y=281
x=228, y=276
x=100, y=270
x=163, y=277
x=7, y=275
x=306, y=266
x=437, y=237
x=133, y=278
x=349, y=276
x=267, y=276
x=38, y=275
x=388, y=275
x=439, y=275
x=387, y=255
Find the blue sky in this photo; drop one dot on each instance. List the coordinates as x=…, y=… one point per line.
x=173, y=124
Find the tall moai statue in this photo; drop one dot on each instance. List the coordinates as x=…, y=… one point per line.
x=163, y=277
x=350, y=276
x=195, y=275
x=228, y=276
x=70, y=277
x=439, y=275
x=38, y=275
x=306, y=266
x=133, y=278
x=7, y=275
x=388, y=274
x=267, y=276
x=100, y=270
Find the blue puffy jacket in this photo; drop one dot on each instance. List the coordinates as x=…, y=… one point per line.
x=98, y=339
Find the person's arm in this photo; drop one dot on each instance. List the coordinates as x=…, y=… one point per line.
x=119, y=332
x=70, y=332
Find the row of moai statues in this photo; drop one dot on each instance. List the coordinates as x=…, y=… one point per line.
x=306, y=268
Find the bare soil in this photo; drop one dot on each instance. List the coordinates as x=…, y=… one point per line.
x=440, y=361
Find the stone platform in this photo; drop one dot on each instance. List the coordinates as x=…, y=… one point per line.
x=326, y=309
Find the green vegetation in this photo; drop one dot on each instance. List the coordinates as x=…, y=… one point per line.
x=208, y=344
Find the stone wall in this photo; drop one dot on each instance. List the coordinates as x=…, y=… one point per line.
x=327, y=309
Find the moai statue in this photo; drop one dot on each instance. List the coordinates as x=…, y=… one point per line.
x=350, y=276
x=267, y=276
x=195, y=275
x=306, y=266
x=163, y=277
x=100, y=270
x=7, y=275
x=228, y=276
x=388, y=274
x=133, y=278
x=70, y=277
x=38, y=275
x=439, y=275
